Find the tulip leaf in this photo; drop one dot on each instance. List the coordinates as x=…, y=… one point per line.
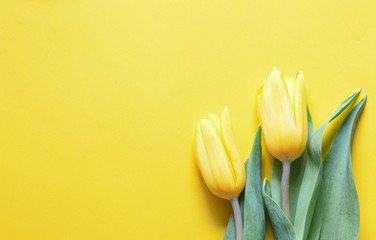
x=282, y=228
x=251, y=204
x=344, y=105
x=254, y=216
x=315, y=228
x=298, y=170
x=341, y=206
x=308, y=193
x=276, y=181
x=312, y=179
x=305, y=182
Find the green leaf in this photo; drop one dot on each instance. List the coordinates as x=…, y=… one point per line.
x=297, y=171
x=276, y=181
x=254, y=216
x=308, y=193
x=344, y=105
x=316, y=224
x=250, y=200
x=341, y=206
x=282, y=228
x=312, y=179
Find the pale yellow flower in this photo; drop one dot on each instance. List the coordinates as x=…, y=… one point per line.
x=282, y=112
x=218, y=156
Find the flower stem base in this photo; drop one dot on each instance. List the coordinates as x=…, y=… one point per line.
x=238, y=218
x=285, y=188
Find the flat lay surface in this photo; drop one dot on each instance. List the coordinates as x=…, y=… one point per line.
x=99, y=102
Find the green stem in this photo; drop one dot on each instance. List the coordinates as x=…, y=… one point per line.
x=238, y=218
x=285, y=188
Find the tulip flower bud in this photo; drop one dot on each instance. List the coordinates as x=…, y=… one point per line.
x=218, y=156
x=282, y=112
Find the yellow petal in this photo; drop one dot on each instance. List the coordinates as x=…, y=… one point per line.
x=290, y=85
x=212, y=160
x=300, y=114
x=277, y=116
x=233, y=151
x=214, y=120
x=258, y=100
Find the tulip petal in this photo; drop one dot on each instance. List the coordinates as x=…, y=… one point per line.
x=213, y=161
x=258, y=101
x=277, y=117
x=341, y=205
x=290, y=84
x=233, y=151
x=300, y=114
x=214, y=119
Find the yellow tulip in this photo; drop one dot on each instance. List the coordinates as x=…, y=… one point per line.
x=282, y=112
x=218, y=156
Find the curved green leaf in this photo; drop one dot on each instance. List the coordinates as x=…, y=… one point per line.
x=341, y=206
x=312, y=179
x=316, y=224
x=297, y=172
x=276, y=181
x=254, y=216
x=282, y=228
x=344, y=105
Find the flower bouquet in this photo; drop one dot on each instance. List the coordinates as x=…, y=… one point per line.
x=309, y=197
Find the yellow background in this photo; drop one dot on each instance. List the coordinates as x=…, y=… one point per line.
x=99, y=101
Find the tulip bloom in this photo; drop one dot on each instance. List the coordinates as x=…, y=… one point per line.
x=220, y=161
x=282, y=112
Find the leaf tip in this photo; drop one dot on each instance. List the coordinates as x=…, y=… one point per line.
x=264, y=182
